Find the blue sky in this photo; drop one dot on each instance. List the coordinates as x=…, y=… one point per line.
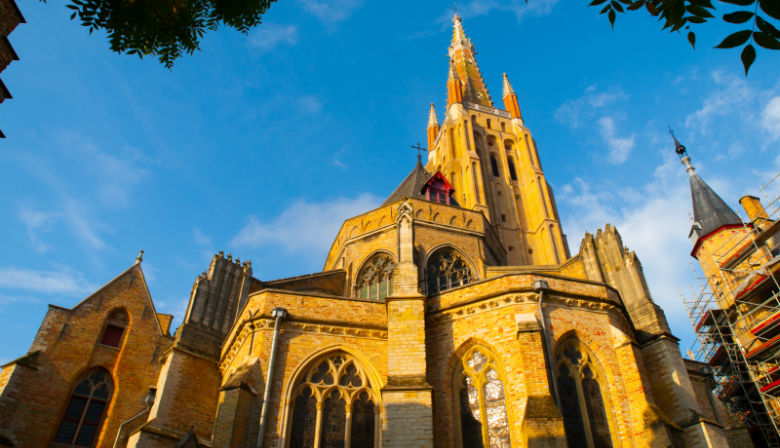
x=261, y=145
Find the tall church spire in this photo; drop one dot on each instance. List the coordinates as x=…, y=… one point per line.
x=433, y=128
x=710, y=212
x=510, y=100
x=465, y=65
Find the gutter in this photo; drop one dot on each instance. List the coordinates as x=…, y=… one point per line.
x=280, y=314
x=149, y=400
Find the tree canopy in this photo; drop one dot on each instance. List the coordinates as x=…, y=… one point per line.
x=166, y=29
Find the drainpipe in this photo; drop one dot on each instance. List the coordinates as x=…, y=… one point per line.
x=279, y=314
x=149, y=400
x=540, y=286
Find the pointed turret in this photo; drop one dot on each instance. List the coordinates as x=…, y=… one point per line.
x=710, y=212
x=433, y=127
x=510, y=100
x=465, y=65
x=454, y=87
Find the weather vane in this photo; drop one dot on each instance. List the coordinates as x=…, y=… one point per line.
x=454, y=8
x=418, y=148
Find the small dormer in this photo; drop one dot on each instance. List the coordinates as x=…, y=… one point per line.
x=438, y=189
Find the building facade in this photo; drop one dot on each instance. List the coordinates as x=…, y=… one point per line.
x=737, y=314
x=453, y=315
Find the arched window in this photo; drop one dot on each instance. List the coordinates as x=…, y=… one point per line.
x=494, y=164
x=334, y=405
x=481, y=403
x=446, y=269
x=85, y=411
x=584, y=414
x=116, y=323
x=512, y=171
x=375, y=279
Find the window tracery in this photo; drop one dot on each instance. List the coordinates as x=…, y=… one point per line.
x=481, y=402
x=446, y=269
x=85, y=411
x=334, y=406
x=584, y=412
x=375, y=279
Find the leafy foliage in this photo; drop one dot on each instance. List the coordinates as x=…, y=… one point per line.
x=678, y=15
x=164, y=28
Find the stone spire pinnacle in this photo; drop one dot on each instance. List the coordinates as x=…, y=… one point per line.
x=140, y=257
x=508, y=90
x=432, y=120
x=679, y=148
x=465, y=67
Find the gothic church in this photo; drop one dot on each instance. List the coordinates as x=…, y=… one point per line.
x=453, y=315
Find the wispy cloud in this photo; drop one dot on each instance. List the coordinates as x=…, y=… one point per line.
x=309, y=104
x=584, y=109
x=770, y=118
x=303, y=226
x=619, y=147
x=60, y=281
x=200, y=238
x=520, y=9
x=38, y=222
x=330, y=12
x=268, y=36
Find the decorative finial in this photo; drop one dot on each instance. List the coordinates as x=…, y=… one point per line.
x=508, y=90
x=140, y=257
x=230, y=256
x=432, y=120
x=679, y=148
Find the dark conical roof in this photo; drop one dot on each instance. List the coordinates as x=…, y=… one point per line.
x=411, y=187
x=710, y=212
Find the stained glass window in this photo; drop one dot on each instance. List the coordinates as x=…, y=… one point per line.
x=584, y=413
x=334, y=394
x=84, y=413
x=481, y=402
x=446, y=269
x=375, y=279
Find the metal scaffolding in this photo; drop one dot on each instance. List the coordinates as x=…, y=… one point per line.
x=736, y=315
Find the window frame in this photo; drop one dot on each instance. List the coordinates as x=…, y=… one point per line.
x=81, y=421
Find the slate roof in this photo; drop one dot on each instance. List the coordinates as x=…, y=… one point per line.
x=709, y=210
x=411, y=187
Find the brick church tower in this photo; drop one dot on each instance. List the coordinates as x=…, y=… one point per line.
x=452, y=315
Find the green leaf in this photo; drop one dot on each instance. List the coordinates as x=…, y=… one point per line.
x=767, y=27
x=692, y=39
x=617, y=6
x=748, y=56
x=636, y=5
x=738, y=17
x=735, y=39
x=766, y=41
x=596, y=2
x=698, y=11
x=739, y=2
x=771, y=7
x=611, y=16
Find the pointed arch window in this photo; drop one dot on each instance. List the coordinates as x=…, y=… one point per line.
x=494, y=164
x=115, y=327
x=481, y=401
x=334, y=405
x=512, y=171
x=85, y=411
x=375, y=279
x=446, y=269
x=584, y=412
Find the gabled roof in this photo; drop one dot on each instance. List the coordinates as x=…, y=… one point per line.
x=411, y=187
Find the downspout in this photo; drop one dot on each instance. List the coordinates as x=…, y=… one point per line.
x=149, y=400
x=540, y=286
x=279, y=314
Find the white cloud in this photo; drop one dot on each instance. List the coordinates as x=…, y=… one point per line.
x=519, y=8
x=330, y=12
x=731, y=93
x=200, y=238
x=36, y=223
x=619, y=147
x=309, y=104
x=770, y=118
x=575, y=112
x=267, y=36
x=303, y=226
x=60, y=281
x=79, y=218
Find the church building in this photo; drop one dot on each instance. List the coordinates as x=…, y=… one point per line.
x=453, y=315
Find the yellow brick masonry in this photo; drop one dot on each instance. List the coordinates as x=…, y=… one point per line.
x=33, y=398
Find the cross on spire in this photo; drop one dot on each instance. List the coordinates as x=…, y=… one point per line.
x=454, y=8
x=418, y=148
